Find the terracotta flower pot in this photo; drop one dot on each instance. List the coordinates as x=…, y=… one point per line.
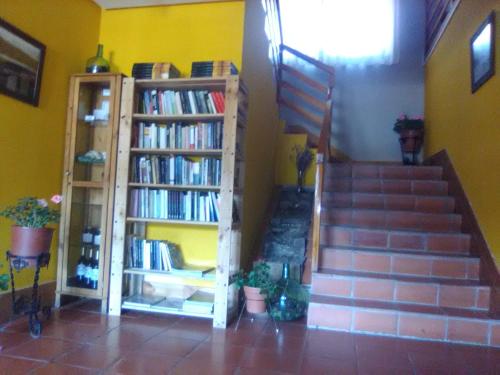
x=256, y=303
x=411, y=140
x=30, y=241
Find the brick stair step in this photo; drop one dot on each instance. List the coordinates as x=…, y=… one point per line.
x=394, y=263
x=362, y=170
x=452, y=243
x=392, y=219
x=403, y=320
x=423, y=292
x=402, y=202
x=386, y=186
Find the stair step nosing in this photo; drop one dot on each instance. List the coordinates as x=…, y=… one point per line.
x=365, y=275
x=398, y=308
x=456, y=256
x=391, y=210
x=397, y=231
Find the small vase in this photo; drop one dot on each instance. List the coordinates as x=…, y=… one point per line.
x=30, y=241
x=97, y=64
x=300, y=180
x=289, y=300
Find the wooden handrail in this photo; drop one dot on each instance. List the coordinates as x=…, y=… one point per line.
x=327, y=68
x=323, y=153
x=322, y=158
x=320, y=105
x=303, y=112
x=309, y=81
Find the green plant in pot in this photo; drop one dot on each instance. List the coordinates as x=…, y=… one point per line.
x=29, y=236
x=257, y=285
x=4, y=281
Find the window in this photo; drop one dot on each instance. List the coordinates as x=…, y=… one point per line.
x=341, y=32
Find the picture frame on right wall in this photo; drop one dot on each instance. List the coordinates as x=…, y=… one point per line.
x=482, y=53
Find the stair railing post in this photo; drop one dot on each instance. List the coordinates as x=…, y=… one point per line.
x=318, y=191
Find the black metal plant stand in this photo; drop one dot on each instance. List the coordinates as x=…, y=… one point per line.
x=19, y=305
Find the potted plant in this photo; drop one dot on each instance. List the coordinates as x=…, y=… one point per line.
x=4, y=282
x=29, y=236
x=257, y=285
x=411, y=132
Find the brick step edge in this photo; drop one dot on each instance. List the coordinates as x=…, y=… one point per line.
x=366, y=170
x=404, y=202
x=403, y=324
x=332, y=235
x=406, y=187
x=393, y=220
x=398, y=291
x=391, y=263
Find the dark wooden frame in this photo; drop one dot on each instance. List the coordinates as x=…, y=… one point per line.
x=30, y=99
x=477, y=82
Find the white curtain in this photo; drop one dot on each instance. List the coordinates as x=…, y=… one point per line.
x=341, y=32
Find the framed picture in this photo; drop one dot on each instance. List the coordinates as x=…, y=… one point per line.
x=482, y=53
x=21, y=64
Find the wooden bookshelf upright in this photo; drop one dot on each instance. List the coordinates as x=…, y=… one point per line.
x=130, y=288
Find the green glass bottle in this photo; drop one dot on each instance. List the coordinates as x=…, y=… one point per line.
x=97, y=64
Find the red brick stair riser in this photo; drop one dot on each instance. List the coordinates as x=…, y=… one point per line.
x=399, y=202
x=392, y=220
x=391, y=263
x=390, y=290
x=414, y=187
x=450, y=243
x=404, y=324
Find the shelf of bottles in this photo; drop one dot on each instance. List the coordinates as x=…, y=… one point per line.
x=82, y=263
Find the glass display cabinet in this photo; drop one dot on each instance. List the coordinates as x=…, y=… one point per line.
x=88, y=186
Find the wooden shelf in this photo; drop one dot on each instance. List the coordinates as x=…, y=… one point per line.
x=164, y=310
x=175, y=187
x=179, y=117
x=175, y=151
x=208, y=276
x=167, y=221
x=88, y=184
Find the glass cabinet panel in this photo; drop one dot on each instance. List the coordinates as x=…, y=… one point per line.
x=85, y=235
x=88, y=186
x=92, y=135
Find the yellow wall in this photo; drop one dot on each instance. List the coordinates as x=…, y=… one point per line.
x=179, y=34
x=467, y=125
x=262, y=129
x=32, y=138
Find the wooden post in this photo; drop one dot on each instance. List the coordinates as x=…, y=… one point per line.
x=120, y=199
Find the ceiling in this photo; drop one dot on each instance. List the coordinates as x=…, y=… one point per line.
x=114, y=4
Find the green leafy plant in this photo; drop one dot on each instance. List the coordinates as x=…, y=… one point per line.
x=258, y=277
x=4, y=281
x=32, y=212
x=404, y=122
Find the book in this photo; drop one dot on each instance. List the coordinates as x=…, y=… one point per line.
x=200, y=302
x=174, y=102
x=163, y=70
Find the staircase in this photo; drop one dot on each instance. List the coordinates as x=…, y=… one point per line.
x=392, y=259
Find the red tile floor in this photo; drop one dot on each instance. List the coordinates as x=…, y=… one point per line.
x=78, y=340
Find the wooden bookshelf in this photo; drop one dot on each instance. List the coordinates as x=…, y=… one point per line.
x=130, y=287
